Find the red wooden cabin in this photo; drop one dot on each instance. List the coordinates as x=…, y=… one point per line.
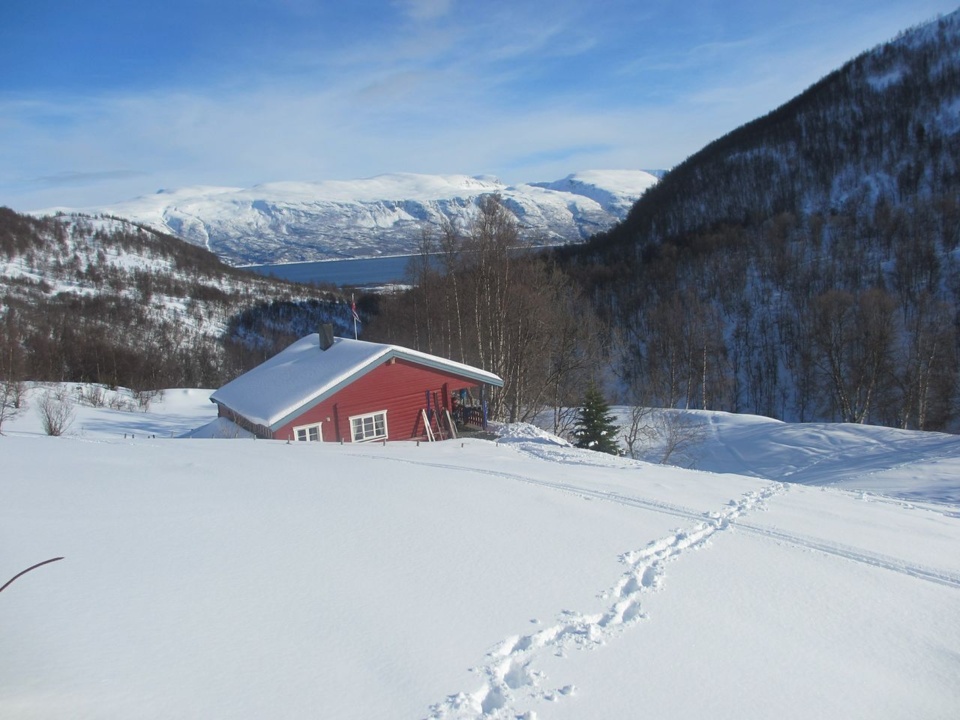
x=341, y=390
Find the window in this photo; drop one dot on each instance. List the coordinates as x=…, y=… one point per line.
x=309, y=433
x=369, y=427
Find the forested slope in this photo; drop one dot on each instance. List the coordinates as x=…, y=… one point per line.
x=804, y=266
x=98, y=299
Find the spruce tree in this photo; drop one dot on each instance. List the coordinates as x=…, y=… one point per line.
x=595, y=429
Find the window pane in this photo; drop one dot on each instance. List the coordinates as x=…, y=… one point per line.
x=369, y=427
x=301, y=435
x=314, y=433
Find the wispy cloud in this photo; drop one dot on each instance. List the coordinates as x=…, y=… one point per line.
x=421, y=10
x=527, y=91
x=75, y=177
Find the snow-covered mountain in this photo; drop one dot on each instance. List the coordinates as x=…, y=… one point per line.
x=383, y=215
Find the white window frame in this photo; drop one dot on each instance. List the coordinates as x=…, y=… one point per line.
x=305, y=430
x=365, y=421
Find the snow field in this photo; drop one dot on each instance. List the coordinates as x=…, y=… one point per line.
x=523, y=578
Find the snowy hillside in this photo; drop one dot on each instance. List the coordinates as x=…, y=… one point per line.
x=382, y=215
x=250, y=579
x=884, y=129
x=746, y=279
x=102, y=300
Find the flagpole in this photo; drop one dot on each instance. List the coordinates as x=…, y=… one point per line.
x=353, y=310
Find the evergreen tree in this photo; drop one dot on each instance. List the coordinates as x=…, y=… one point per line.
x=595, y=429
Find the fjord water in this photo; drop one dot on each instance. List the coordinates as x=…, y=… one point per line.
x=355, y=271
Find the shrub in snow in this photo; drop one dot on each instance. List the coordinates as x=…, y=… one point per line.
x=56, y=411
x=12, y=400
x=667, y=437
x=92, y=395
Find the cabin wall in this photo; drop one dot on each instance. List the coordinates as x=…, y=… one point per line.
x=398, y=386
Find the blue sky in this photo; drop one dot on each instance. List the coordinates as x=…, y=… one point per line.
x=104, y=100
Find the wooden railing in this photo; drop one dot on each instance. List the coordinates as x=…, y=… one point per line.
x=472, y=416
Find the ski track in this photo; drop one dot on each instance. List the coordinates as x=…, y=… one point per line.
x=510, y=674
x=924, y=504
x=589, y=493
x=830, y=548
x=847, y=552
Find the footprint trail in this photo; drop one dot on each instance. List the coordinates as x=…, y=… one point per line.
x=510, y=678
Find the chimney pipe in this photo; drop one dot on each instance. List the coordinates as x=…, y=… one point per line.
x=326, y=336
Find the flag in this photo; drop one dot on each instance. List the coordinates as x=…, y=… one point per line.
x=353, y=309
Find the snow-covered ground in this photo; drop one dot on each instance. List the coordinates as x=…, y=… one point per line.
x=239, y=578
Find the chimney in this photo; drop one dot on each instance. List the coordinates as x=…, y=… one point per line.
x=326, y=336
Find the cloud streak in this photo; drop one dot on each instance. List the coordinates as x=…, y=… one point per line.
x=423, y=10
x=71, y=178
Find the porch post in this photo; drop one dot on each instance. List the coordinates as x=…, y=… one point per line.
x=483, y=403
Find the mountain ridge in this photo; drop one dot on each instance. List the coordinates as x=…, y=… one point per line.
x=383, y=215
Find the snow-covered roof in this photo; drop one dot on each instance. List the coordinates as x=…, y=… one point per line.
x=303, y=375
